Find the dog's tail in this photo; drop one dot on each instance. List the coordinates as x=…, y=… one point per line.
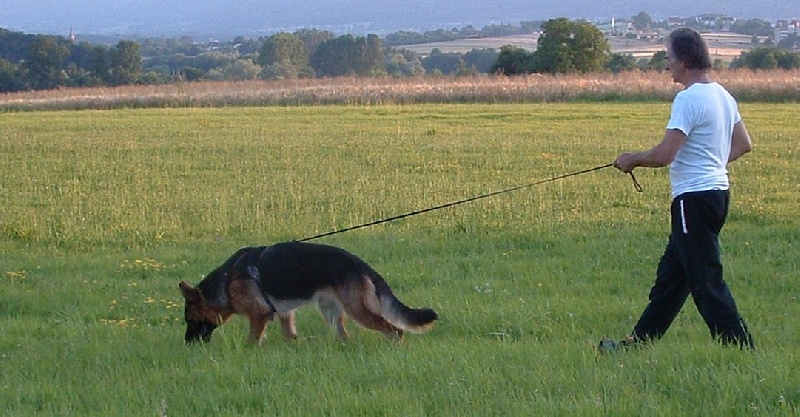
x=414, y=320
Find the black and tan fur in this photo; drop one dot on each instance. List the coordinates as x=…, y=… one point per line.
x=262, y=282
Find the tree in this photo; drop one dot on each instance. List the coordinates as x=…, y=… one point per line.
x=404, y=37
x=154, y=78
x=192, y=74
x=246, y=46
x=658, y=61
x=566, y=46
x=527, y=27
x=767, y=61
x=621, y=62
x=642, y=21
x=280, y=71
x=212, y=60
x=99, y=63
x=512, y=60
x=76, y=76
x=14, y=46
x=80, y=54
x=766, y=58
x=10, y=80
x=312, y=38
x=790, y=42
x=237, y=70
x=481, y=59
x=348, y=55
x=755, y=27
x=44, y=63
x=374, y=56
x=332, y=57
x=590, y=48
x=465, y=70
x=553, y=53
x=445, y=63
x=126, y=63
x=404, y=63
x=286, y=49
x=787, y=60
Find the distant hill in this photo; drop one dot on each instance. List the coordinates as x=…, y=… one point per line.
x=224, y=18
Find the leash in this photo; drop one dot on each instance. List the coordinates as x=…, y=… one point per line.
x=467, y=200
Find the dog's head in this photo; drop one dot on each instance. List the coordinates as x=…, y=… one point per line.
x=201, y=318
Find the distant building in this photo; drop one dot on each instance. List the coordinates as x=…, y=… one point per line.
x=784, y=28
x=676, y=21
x=706, y=20
x=72, y=38
x=726, y=22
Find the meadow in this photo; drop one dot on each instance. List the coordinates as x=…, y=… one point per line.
x=105, y=211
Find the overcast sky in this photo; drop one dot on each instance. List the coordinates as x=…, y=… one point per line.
x=248, y=17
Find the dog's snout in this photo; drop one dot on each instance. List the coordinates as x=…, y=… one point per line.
x=198, y=331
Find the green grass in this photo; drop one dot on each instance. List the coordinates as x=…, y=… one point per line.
x=104, y=212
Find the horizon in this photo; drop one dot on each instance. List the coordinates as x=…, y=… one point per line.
x=254, y=18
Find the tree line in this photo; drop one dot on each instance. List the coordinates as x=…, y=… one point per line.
x=40, y=62
x=35, y=62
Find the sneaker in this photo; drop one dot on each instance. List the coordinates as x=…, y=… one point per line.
x=607, y=345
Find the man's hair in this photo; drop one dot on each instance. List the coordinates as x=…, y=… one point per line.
x=690, y=48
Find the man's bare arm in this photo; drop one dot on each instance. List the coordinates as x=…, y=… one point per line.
x=658, y=156
x=740, y=142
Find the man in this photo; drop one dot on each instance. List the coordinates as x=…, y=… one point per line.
x=705, y=133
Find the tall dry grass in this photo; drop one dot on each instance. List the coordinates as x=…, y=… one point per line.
x=746, y=85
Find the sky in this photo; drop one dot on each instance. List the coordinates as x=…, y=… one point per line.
x=254, y=17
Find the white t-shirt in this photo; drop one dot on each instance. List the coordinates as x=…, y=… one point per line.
x=705, y=113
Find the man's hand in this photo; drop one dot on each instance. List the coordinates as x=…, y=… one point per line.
x=626, y=162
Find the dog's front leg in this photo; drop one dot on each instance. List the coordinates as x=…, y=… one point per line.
x=247, y=300
x=288, y=327
x=258, y=324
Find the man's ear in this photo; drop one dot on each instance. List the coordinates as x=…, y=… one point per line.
x=191, y=294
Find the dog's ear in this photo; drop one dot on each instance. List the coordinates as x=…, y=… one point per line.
x=191, y=294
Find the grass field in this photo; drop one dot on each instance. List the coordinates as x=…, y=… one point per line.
x=104, y=212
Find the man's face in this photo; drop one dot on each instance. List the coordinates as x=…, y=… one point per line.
x=674, y=65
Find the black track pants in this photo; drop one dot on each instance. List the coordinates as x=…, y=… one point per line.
x=691, y=264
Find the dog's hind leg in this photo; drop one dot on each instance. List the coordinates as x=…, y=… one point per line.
x=333, y=315
x=247, y=300
x=363, y=306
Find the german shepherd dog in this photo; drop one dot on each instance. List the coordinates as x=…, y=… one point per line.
x=262, y=282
